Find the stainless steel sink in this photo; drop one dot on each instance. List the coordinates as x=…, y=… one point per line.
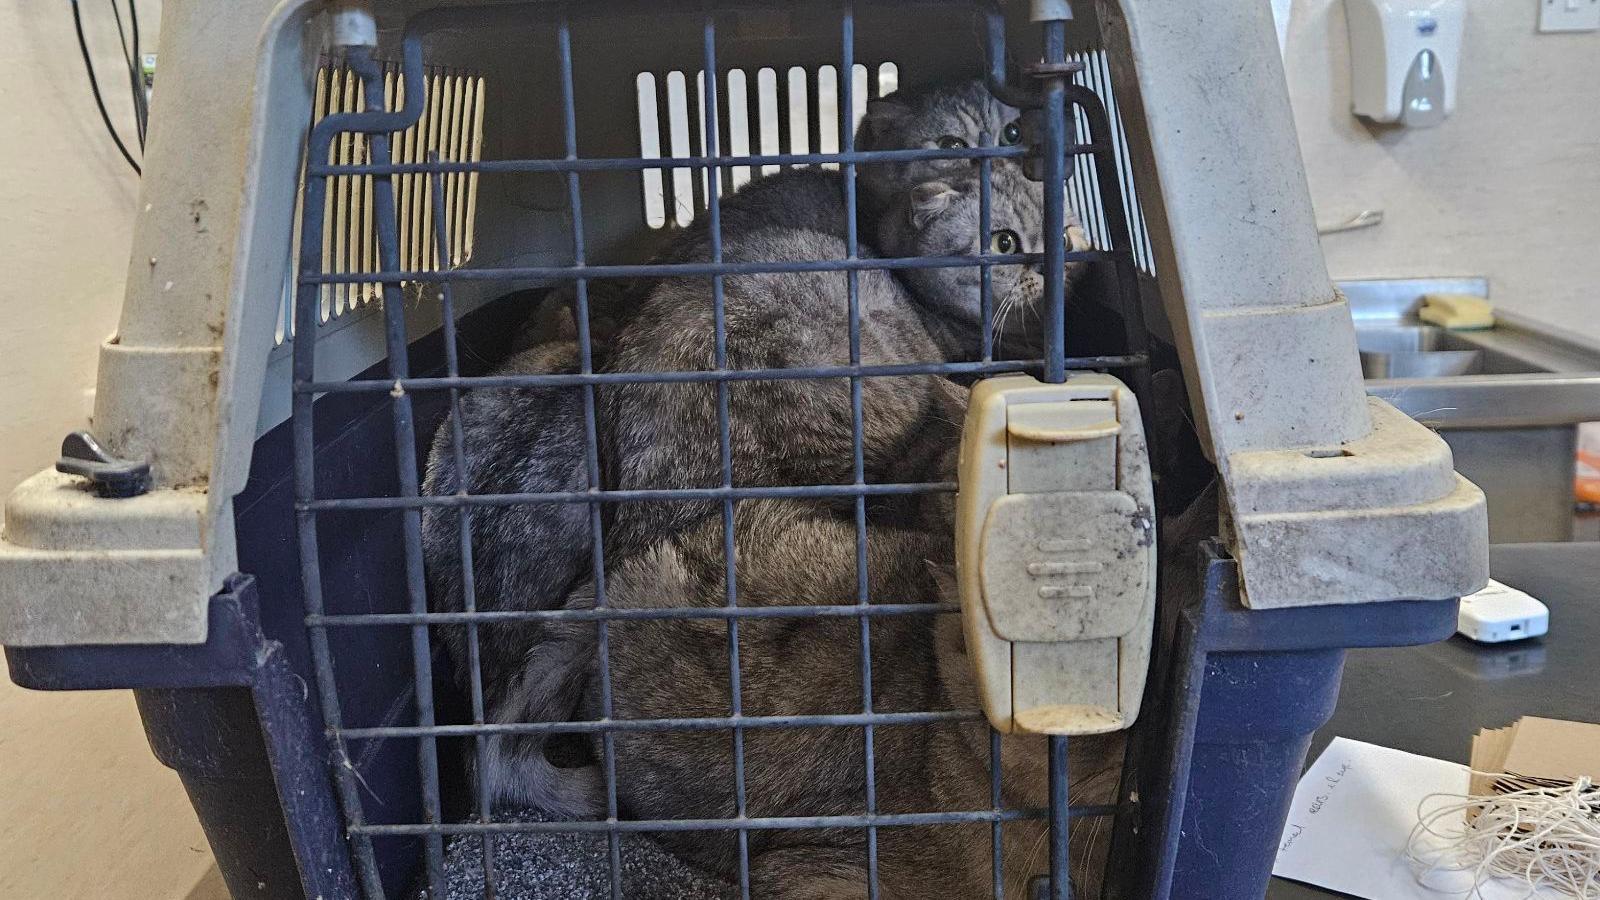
x=1506, y=399
x=1415, y=351
x=1404, y=350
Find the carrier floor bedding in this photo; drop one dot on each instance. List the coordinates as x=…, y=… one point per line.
x=546, y=866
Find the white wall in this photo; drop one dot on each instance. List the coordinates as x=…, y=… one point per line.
x=86, y=803
x=66, y=207
x=1509, y=187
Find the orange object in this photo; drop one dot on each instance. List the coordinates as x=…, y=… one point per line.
x=1586, y=484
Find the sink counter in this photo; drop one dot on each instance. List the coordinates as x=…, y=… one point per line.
x=1507, y=399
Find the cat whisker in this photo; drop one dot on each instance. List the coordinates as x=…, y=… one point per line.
x=998, y=329
x=1017, y=299
x=1086, y=859
x=1033, y=854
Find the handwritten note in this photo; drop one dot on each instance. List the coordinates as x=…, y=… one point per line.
x=1352, y=815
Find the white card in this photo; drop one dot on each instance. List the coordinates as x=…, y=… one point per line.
x=1352, y=815
x=1280, y=18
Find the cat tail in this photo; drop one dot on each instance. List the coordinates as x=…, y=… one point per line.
x=517, y=771
x=529, y=780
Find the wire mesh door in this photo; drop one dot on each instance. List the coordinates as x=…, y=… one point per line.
x=1050, y=100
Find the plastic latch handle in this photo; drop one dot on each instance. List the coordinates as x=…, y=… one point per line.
x=111, y=477
x=1055, y=553
x=1060, y=423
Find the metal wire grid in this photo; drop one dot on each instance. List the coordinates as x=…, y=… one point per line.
x=1053, y=102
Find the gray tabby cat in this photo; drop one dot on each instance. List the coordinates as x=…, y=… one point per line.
x=783, y=432
x=950, y=117
x=800, y=431
x=954, y=117
x=790, y=553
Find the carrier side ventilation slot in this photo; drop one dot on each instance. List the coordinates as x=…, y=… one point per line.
x=767, y=112
x=452, y=126
x=1085, y=195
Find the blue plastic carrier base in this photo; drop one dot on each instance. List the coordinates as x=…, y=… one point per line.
x=1242, y=692
x=233, y=719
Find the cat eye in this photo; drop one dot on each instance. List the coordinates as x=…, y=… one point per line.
x=951, y=142
x=1005, y=242
x=1011, y=134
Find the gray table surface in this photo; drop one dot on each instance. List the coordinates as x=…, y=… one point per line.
x=1432, y=700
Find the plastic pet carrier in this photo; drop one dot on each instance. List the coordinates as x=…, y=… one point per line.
x=1075, y=638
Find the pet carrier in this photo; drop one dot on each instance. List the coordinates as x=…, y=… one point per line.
x=350, y=212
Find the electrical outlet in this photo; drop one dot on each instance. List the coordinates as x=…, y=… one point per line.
x=1569, y=15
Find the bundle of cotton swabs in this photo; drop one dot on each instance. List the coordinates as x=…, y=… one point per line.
x=1542, y=833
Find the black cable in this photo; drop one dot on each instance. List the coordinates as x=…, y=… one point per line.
x=94, y=86
x=136, y=90
x=138, y=71
x=122, y=35
x=133, y=25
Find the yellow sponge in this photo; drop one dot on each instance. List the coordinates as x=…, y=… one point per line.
x=1460, y=312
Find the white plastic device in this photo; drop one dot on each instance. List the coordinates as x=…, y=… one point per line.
x=1500, y=613
x=1404, y=59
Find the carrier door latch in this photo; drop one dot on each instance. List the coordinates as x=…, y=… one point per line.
x=1055, y=553
x=115, y=478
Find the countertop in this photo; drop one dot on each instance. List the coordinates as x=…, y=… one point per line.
x=1432, y=700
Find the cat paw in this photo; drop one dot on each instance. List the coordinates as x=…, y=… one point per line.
x=1077, y=238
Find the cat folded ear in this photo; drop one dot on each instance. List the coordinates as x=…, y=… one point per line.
x=882, y=117
x=930, y=199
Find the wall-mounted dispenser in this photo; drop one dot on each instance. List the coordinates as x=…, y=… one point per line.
x=1404, y=59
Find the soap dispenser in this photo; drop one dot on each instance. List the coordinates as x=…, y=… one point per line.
x=1404, y=59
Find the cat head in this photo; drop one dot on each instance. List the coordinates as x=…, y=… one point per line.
x=943, y=218
x=952, y=115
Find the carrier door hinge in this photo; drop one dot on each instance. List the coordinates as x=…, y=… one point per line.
x=1055, y=553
